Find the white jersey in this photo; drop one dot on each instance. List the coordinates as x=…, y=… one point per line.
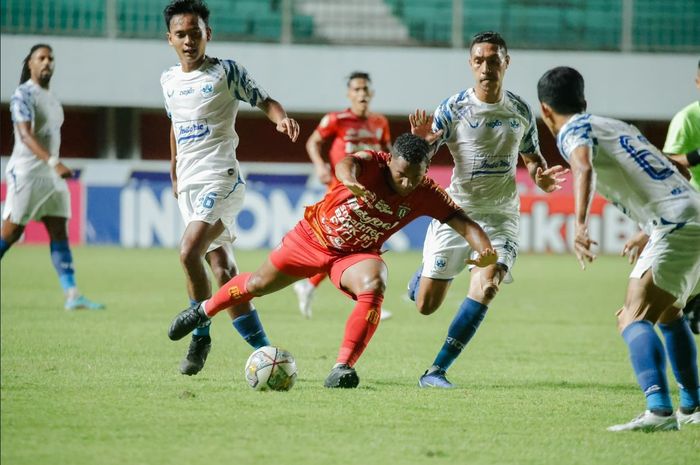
x=202, y=105
x=631, y=173
x=33, y=104
x=485, y=140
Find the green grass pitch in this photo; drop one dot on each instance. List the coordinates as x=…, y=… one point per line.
x=544, y=376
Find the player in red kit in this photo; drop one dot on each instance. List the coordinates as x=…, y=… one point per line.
x=341, y=235
x=351, y=130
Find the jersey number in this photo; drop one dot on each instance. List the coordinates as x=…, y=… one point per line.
x=652, y=164
x=209, y=200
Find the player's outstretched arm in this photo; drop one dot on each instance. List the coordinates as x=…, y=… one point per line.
x=422, y=126
x=476, y=238
x=313, y=147
x=584, y=187
x=347, y=171
x=275, y=112
x=547, y=179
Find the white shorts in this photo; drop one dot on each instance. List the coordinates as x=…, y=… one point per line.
x=32, y=198
x=213, y=202
x=673, y=255
x=445, y=251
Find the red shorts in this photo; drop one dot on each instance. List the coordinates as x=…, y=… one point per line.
x=300, y=254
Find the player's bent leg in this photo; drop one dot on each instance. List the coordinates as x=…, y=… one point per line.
x=482, y=289
x=431, y=294
x=195, y=241
x=366, y=280
x=645, y=303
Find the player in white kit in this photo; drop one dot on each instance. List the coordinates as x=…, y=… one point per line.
x=485, y=128
x=615, y=159
x=202, y=95
x=36, y=178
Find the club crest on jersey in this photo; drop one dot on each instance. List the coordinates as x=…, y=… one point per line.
x=207, y=89
x=515, y=125
x=403, y=211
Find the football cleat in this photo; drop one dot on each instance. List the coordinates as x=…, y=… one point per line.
x=82, y=302
x=186, y=321
x=342, y=376
x=305, y=292
x=689, y=418
x=196, y=355
x=648, y=422
x=434, y=379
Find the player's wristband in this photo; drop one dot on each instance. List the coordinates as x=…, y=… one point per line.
x=52, y=162
x=693, y=157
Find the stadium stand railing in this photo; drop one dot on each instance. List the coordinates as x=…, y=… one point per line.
x=627, y=25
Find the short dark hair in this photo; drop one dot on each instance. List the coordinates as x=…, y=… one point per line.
x=413, y=149
x=488, y=37
x=26, y=73
x=358, y=75
x=562, y=89
x=180, y=7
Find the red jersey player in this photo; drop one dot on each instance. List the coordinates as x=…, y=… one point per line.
x=351, y=130
x=341, y=235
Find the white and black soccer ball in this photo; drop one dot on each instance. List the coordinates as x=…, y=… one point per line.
x=271, y=368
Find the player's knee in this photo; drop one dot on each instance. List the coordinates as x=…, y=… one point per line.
x=189, y=255
x=425, y=305
x=374, y=284
x=626, y=316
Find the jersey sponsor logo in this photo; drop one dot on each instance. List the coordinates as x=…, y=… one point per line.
x=170, y=92
x=191, y=130
x=487, y=167
x=383, y=207
x=494, y=124
x=186, y=92
x=207, y=89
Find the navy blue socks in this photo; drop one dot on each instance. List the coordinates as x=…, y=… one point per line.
x=463, y=326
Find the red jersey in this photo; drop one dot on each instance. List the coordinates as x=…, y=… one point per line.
x=352, y=134
x=343, y=222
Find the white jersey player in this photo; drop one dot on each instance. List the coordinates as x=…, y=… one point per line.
x=486, y=129
x=36, y=178
x=615, y=159
x=202, y=95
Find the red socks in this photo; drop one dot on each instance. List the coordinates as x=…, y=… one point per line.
x=360, y=327
x=316, y=279
x=232, y=293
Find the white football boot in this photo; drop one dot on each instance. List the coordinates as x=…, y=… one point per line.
x=689, y=418
x=649, y=422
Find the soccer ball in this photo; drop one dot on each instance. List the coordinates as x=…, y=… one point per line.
x=271, y=368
